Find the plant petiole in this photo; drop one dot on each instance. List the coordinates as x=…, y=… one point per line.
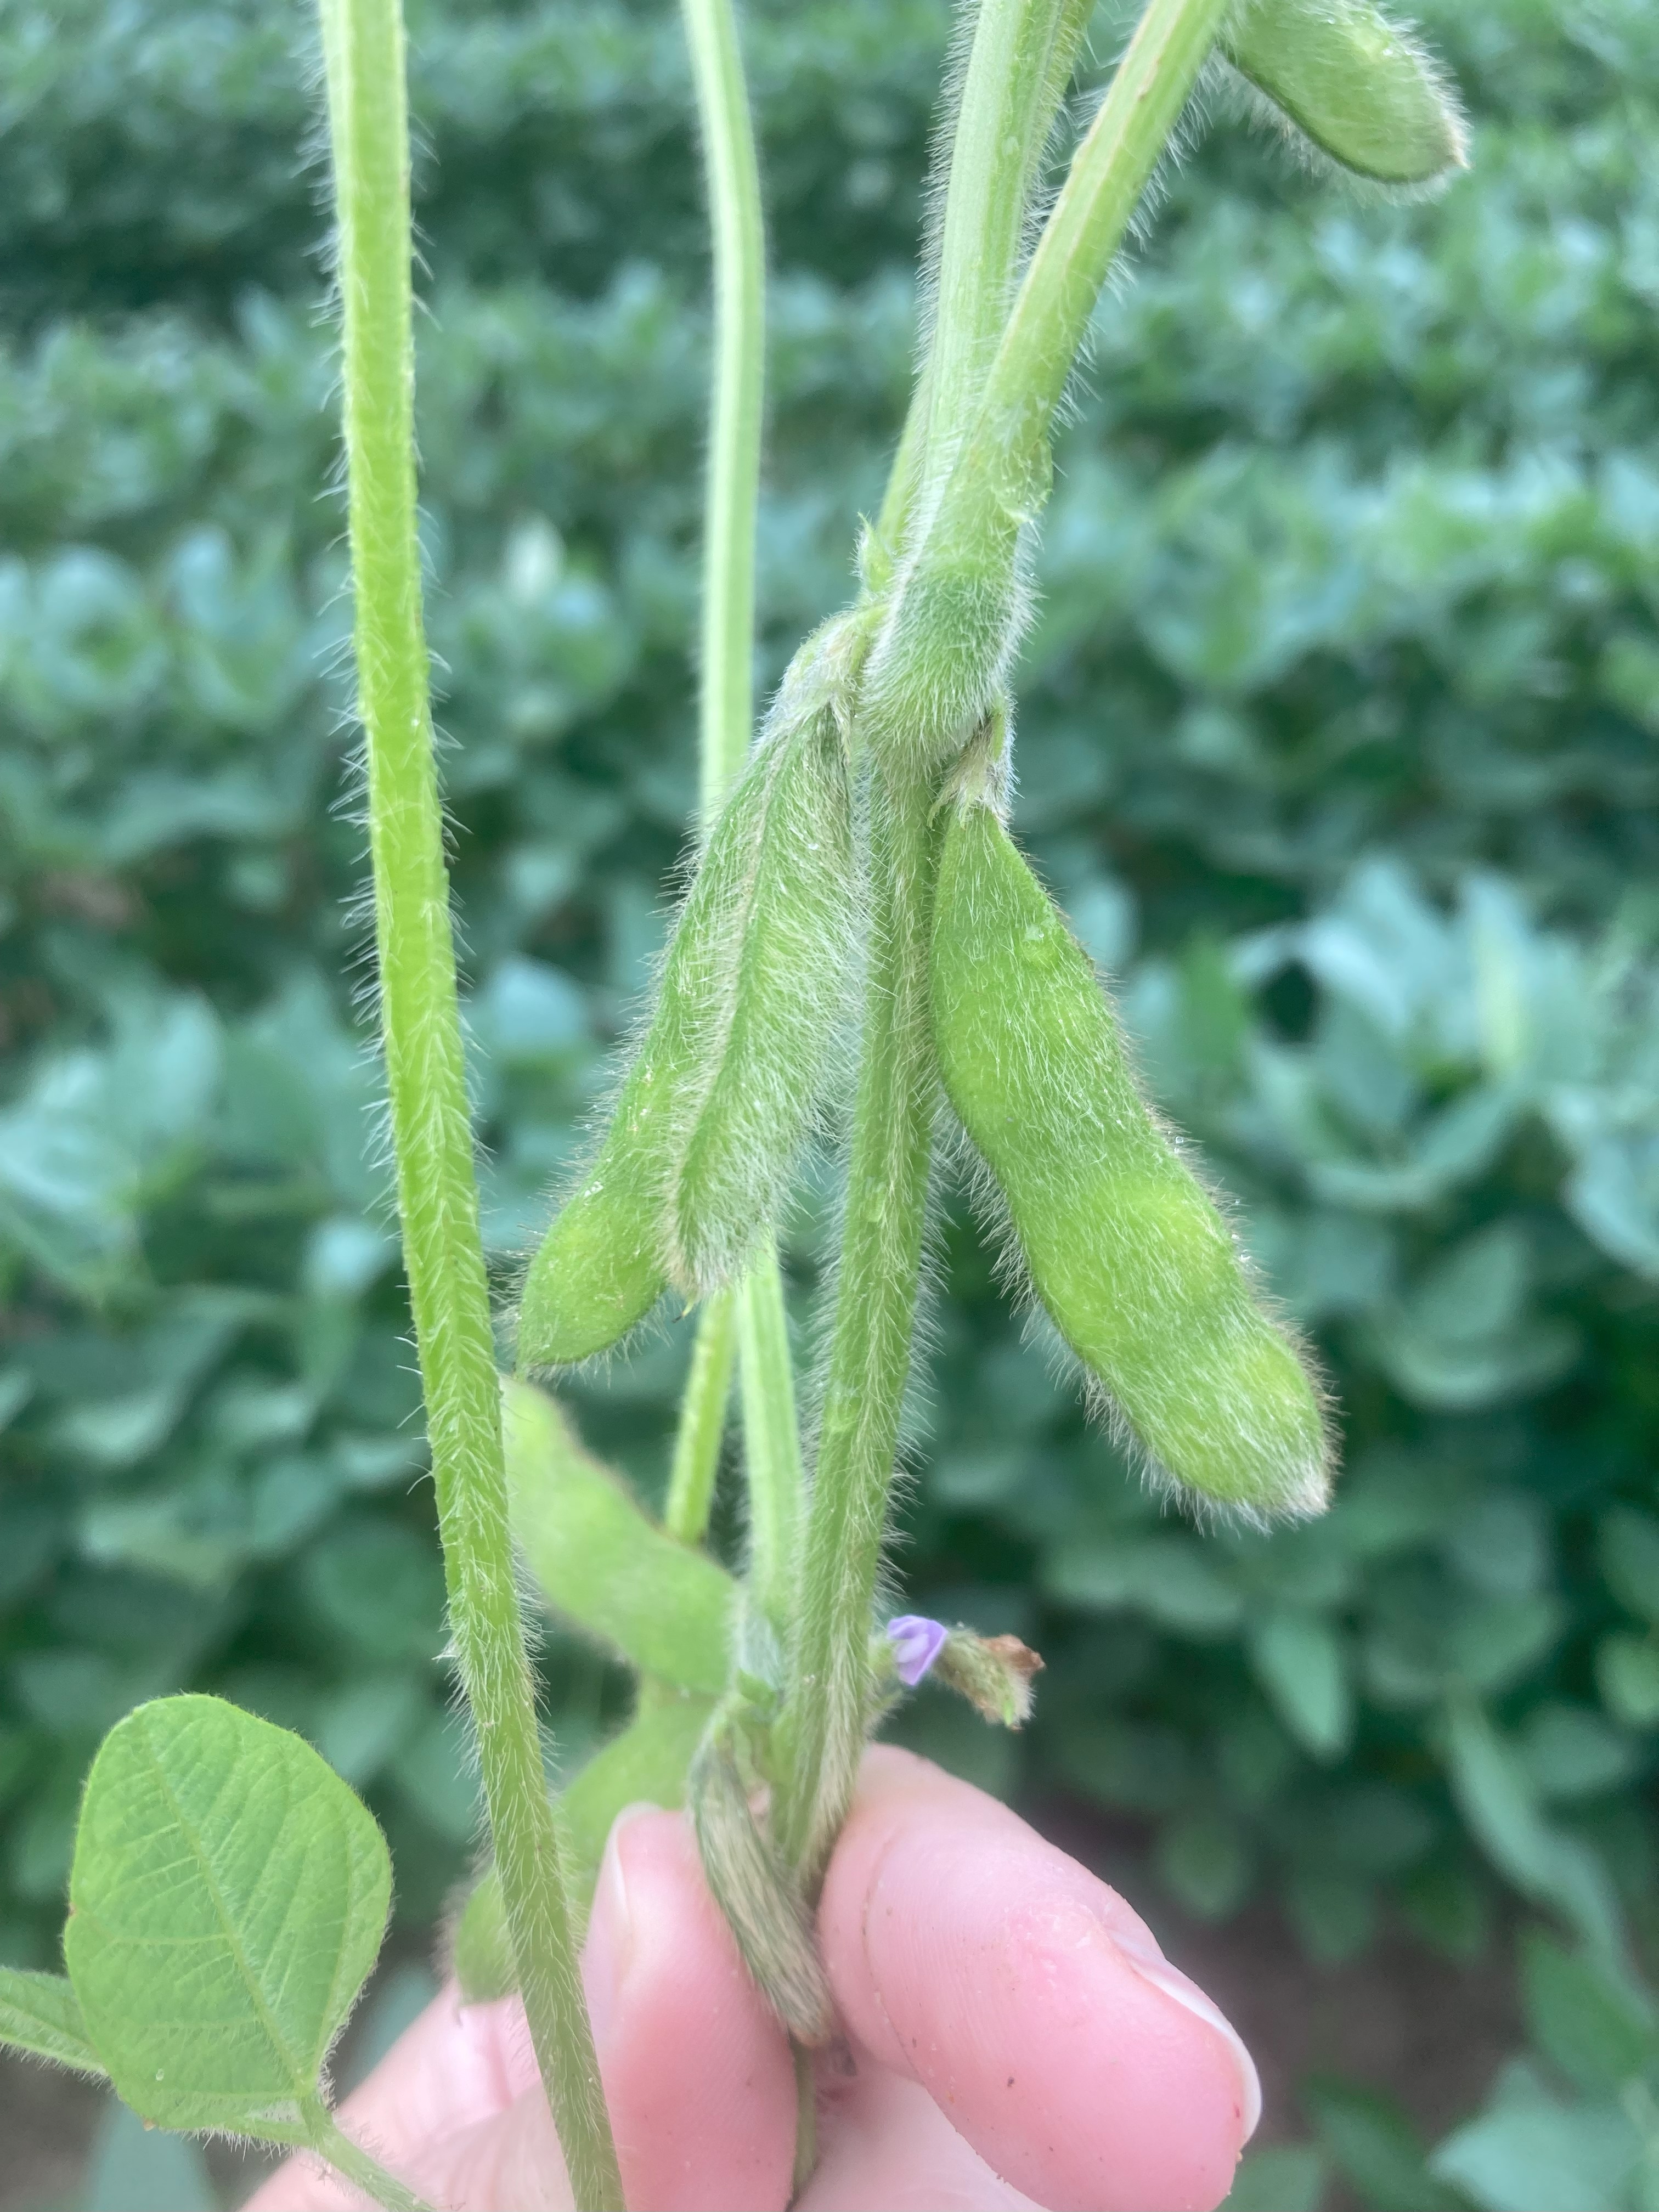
x=701, y=1428
x=364, y=53
x=329, y=2140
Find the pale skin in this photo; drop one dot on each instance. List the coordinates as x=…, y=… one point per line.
x=1016, y=2038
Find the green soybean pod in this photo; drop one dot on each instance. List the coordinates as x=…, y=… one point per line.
x=602, y=1267
x=1339, y=75
x=758, y=1894
x=602, y=1562
x=726, y=1077
x=1120, y=1241
x=598, y=1271
x=771, y=1006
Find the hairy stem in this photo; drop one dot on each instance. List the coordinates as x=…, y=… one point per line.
x=727, y=710
x=1049, y=319
x=893, y=519
x=957, y=606
x=432, y=1138
x=356, y=2166
x=772, y=1458
x=1020, y=64
x=869, y=1359
x=772, y=1451
x=1018, y=70
x=771, y=1439
x=703, y=1421
x=806, y=2121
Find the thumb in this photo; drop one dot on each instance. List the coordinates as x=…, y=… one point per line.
x=1029, y=1999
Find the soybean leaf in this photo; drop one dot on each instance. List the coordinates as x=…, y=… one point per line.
x=1627, y=1676
x=1372, y=2142
x=1284, y=2178
x=1168, y=1578
x=1496, y=1799
x=39, y=2013
x=1300, y=1662
x=1628, y=1544
x=601, y=1562
x=1598, y=2029
x=227, y=1898
x=1529, y=2150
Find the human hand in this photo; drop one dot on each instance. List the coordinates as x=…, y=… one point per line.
x=1017, y=2039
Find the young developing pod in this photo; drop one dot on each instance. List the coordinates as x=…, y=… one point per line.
x=771, y=991
x=712, y=1114
x=600, y=1560
x=599, y=1270
x=1339, y=77
x=1118, y=1239
x=757, y=1894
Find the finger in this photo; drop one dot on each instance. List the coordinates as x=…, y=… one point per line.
x=1029, y=2001
x=696, y=2072
x=885, y=2142
x=696, y=2069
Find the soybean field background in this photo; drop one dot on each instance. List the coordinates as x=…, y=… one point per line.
x=1354, y=787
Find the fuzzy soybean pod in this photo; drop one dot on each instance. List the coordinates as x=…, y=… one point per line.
x=1118, y=1239
x=602, y=1562
x=726, y=1077
x=1338, y=77
x=770, y=987
x=757, y=1892
x=599, y=1268
x=603, y=1264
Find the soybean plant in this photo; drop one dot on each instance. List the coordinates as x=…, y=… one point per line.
x=863, y=959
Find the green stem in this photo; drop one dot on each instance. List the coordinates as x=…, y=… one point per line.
x=356, y=2166
x=807, y=2120
x=771, y=1439
x=437, y=1189
x=894, y=519
x=1019, y=68
x=955, y=610
x=1050, y=317
x=772, y=1453
x=702, y=1422
x=735, y=420
x=869, y=1361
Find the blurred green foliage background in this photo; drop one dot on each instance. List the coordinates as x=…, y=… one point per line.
x=1339, y=735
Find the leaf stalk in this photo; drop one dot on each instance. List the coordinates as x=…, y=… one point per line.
x=732, y=486
x=328, y=2140
x=364, y=52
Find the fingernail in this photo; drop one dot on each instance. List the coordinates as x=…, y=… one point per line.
x=609, y=1950
x=1152, y=1966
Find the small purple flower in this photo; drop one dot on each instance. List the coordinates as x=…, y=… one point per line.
x=916, y=1642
